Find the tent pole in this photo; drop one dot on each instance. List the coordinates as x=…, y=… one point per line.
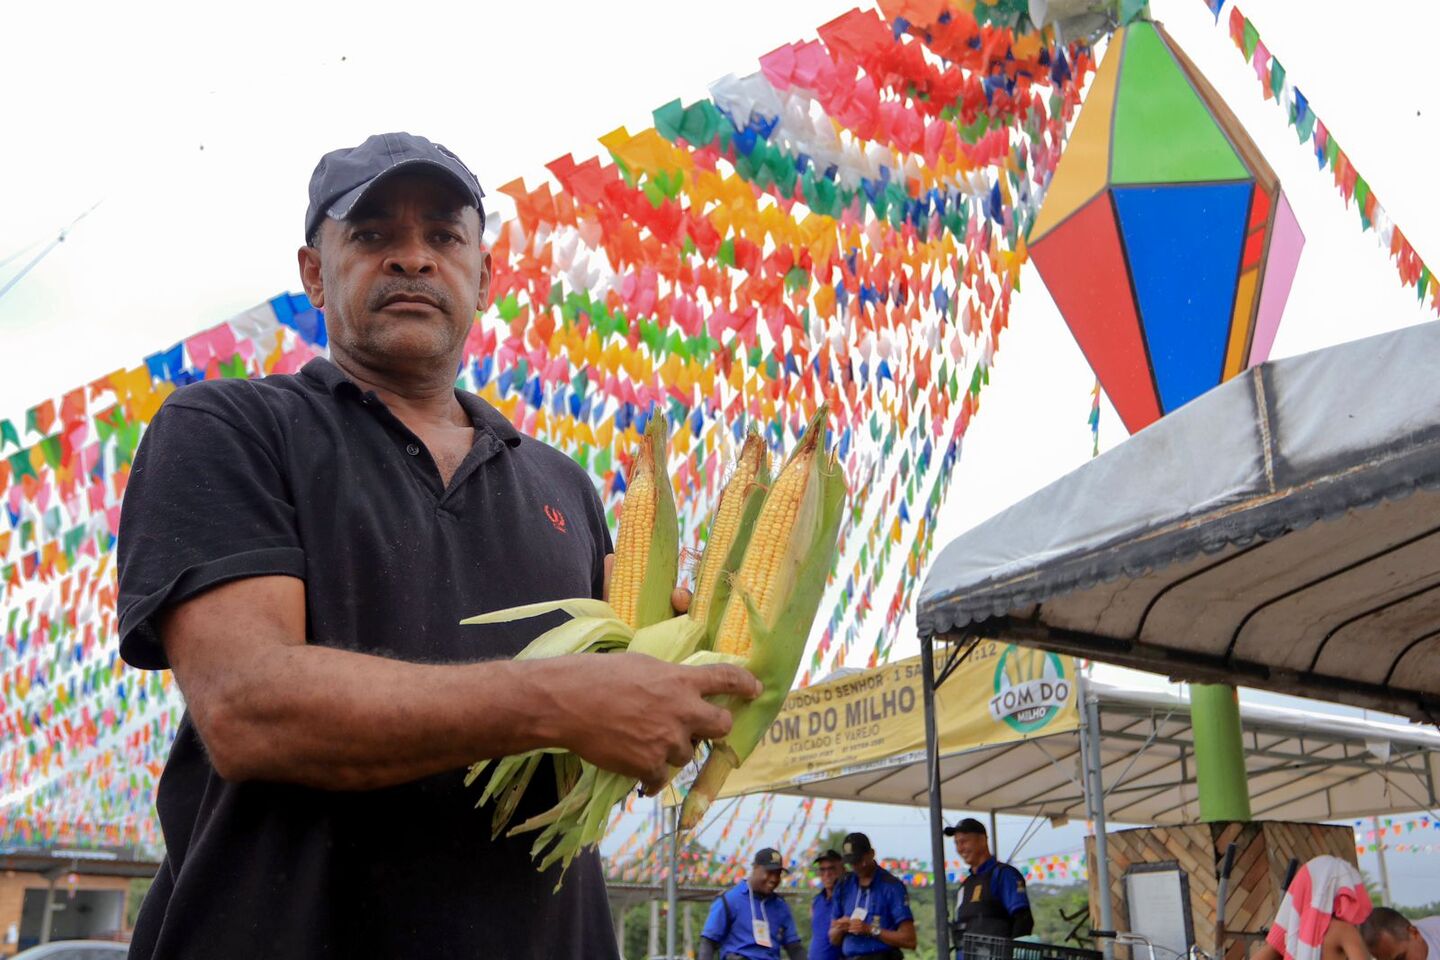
x=1380, y=857
x=672, y=881
x=1096, y=779
x=1219, y=753
x=937, y=815
x=48, y=920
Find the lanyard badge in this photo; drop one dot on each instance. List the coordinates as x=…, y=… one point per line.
x=759, y=925
x=861, y=909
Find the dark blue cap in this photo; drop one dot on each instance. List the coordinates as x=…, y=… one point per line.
x=770, y=859
x=342, y=177
x=855, y=847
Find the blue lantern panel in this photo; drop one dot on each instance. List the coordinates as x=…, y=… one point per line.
x=1183, y=245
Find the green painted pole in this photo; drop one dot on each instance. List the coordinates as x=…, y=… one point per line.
x=1219, y=753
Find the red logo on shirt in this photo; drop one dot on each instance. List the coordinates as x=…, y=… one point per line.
x=556, y=518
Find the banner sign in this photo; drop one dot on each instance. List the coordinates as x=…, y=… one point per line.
x=876, y=719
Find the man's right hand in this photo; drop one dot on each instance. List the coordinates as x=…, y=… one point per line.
x=636, y=715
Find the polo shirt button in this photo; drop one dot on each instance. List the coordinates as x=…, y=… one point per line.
x=413, y=449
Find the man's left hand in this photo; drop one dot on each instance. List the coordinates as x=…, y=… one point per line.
x=859, y=928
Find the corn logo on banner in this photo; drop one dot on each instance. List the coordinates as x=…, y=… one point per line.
x=876, y=719
x=1032, y=687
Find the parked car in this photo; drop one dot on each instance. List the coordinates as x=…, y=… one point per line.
x=76, y=950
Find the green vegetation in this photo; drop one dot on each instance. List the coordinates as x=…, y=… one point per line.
x=138, y=888
x=1425, y=910
x=1048, y=901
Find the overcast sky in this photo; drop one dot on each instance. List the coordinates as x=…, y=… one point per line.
x=197, y=132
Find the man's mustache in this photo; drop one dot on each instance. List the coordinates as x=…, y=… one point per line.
x=392, y=289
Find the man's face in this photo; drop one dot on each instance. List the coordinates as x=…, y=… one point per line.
x=400, y=280
x=1388, y=947
x=829, y=871
x=974, y=848
x=864, y=864
x=764, y=880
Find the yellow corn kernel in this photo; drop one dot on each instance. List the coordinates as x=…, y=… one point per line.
x=726, y=526
x=632, y=548
x=769, y=545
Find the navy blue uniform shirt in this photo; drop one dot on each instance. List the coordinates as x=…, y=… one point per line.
x=822, y=911
x=887, y=905
x=731, y=923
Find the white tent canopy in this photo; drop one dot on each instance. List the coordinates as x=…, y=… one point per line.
x=1281, y=531
x=1302, y=766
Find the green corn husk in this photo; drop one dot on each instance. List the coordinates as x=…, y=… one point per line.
x=579, y=819
x=586, y=633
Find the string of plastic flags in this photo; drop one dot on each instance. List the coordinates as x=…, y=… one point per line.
x=1094, y=419
x=1369, y=836
x=844, y=224
x=1276, y=84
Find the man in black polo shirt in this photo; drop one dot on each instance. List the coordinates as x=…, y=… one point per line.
x=300, y=551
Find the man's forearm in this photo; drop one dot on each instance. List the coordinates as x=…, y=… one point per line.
x=706, y=950
x=269, y=706
x=903, y=937
x=1022, y=922
x=342, y=720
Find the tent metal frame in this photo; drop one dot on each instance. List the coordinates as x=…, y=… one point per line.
x=1105, y=791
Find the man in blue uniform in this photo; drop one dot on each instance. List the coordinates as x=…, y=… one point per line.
x=992, y=902
x=750, y=922
x=822, y=908
x=871, y=915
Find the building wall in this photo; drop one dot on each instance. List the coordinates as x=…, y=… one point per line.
x=1263, y=852
x=12, y=897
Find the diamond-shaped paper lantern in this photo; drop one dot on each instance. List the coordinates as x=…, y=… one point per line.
x=1164, y=238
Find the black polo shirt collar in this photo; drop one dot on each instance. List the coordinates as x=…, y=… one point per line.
x=324, y=371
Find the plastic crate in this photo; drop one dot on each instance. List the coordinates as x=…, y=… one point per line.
x=979, y=947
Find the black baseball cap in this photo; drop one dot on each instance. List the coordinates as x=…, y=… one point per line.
x=968, y=825
x=343, y=177
x=831, y=854
x=856, y=845
x=770, y=859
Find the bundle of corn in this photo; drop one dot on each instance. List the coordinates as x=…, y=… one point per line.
x=758, y=587
x=646, y=563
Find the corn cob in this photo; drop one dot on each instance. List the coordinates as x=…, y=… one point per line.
x=762, y=576
x=729, y=534
x=648, y=543
x=778, y=589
